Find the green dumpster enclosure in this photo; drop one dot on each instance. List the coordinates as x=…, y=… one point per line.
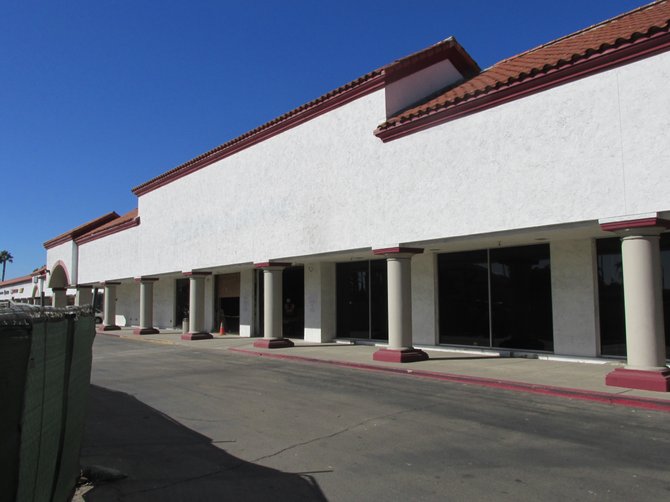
x=45, y=371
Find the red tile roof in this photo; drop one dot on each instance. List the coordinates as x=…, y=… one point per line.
x=80, y=230
x=632, y=27
x=130, y=219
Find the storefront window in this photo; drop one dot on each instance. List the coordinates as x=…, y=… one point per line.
x=362, y=302
x=496, y=298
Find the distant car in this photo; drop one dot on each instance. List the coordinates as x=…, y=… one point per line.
x=98, y=317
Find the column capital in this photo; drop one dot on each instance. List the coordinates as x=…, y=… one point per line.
x=643, y=225
x=196, y=273
x=110, y=283
x=146, y=279
x=272, y=264
x=397, y=252
x=58, y=289
x=84, y=286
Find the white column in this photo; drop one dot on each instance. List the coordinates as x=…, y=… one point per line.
x=146, y=306
x=272, y=307
x=84, y=296
x=645, y=331
x=399, y=280
x=60, y=297
x=643, y=298
x=109, y=314
x=196, y=309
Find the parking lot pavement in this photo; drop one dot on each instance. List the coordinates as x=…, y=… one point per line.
x=574, y=379
x=187, y=422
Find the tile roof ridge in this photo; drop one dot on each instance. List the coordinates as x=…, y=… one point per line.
x=578, y=32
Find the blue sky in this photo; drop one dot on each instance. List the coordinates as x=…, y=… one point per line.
x=97, y=97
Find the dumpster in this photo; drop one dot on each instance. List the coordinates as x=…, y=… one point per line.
x=45, y=370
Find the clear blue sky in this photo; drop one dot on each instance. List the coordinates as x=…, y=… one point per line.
x=97, y=97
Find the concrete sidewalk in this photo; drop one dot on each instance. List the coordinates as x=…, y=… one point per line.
x=568, y=379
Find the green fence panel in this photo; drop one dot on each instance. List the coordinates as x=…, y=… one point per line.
x=14, y=355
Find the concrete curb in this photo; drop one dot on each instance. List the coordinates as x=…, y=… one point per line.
x=547, y=390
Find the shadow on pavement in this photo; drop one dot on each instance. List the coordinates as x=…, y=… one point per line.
x=168, y=462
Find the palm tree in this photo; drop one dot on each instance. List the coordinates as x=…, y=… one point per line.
x=5, y=256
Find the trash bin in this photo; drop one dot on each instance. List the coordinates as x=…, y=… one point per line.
x=45, y=365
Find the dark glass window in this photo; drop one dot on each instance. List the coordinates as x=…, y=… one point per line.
x=611, y=299
x=464, y=298
x=521, y=298
x=362, y=304
x=496, y=298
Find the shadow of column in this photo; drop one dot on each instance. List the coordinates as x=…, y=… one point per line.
x=166, y=461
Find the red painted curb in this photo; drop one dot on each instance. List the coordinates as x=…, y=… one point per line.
x=547, y=390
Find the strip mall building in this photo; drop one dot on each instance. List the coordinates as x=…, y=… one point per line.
x=523, y=207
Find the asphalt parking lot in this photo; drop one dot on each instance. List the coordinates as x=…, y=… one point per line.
x=191, y=423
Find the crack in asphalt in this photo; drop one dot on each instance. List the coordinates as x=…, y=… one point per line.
x=342, y=431
x=240, y=462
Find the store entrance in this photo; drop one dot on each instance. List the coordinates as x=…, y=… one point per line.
x=181, y=302
x=227, y=306
x=362, y=302
x=293, y=302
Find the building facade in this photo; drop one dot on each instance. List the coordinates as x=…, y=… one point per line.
x=429, y=203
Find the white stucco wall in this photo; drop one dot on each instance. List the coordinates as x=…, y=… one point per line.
x=164, y=304
x=128, y=303
x=574, y=297
x=112, y=257
x=424, y=299
x=320, y=302
x=329, y=184
x=18, y=291
x=65, y=253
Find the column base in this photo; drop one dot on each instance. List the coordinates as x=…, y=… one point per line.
x=399, y=355
x=145, y=331
x=197, y=336
x=110, y=327
x=658, y=381
x=273, y=343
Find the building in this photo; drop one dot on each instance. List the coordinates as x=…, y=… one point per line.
x=26, y=289
x=427, y=203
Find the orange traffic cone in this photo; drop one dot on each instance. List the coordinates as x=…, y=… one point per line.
x=221, y=330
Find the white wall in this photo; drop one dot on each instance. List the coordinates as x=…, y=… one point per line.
x=164, y=304
x=112, y=257
x=320, y=302
x=574, y=294
x=66, y=253
x=424, y=299
x=128, y=303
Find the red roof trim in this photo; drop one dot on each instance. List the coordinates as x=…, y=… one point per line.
x=268, y=264
x=634, y=35
x=639, y=223
x=349, y=92
x=108, y=231
x=81, y=230
x=639, y=49
x=397, y=250
x=17, y=280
